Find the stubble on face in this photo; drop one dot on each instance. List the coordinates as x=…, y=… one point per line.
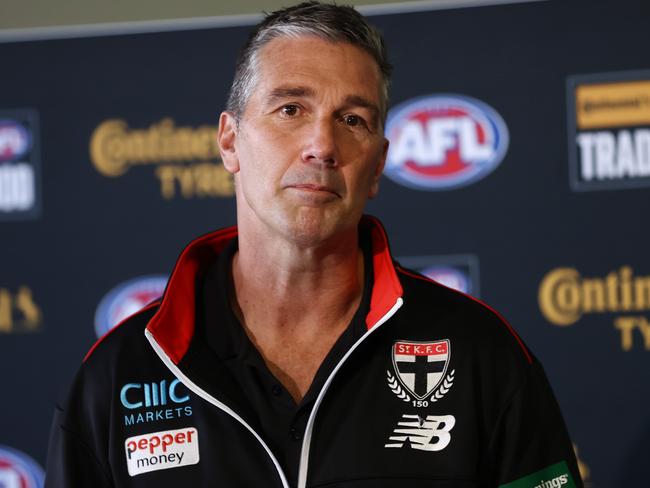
x=303, y=171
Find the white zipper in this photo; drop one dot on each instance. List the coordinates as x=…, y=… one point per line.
x=304, y=453
x=209, y=398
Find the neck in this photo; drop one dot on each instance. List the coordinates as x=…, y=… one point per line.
x=292, y=282
x=295, y=301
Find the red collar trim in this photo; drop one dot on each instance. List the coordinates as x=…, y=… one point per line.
x=173, y=324
x=386, y=287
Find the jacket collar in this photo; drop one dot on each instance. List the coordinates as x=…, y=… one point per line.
x=173, y=324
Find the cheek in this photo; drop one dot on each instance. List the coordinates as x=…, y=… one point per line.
x=258, y=175
x=360, y=183
x=368, y=179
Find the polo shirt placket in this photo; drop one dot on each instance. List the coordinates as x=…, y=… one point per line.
x=281, y=421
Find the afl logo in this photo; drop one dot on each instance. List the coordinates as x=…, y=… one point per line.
x=17, y=470
x=450, y=277
x=441, y=142
x=126, y=299
x=14, y=141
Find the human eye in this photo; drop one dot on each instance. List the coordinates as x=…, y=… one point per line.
x=354, y=121
x=289, y=110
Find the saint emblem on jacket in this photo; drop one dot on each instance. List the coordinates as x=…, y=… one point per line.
x=421, y=371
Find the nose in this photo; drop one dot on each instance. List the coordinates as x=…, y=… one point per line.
x=319, y=143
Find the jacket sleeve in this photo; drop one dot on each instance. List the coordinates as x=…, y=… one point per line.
x=530, y=446
x=70, y=461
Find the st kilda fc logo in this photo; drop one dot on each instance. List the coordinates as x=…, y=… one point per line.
x=421, y=375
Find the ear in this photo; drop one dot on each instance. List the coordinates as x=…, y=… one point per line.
x=379, y=169
x=226, y=137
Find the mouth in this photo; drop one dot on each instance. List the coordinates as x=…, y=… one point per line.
x=308, y=187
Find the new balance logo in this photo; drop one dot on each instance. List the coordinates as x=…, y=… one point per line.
x=426, y=434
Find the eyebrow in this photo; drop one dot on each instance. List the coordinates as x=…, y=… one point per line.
x=283, y=92
x=358, y=101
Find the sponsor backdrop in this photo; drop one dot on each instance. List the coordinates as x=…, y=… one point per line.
x=518, y=172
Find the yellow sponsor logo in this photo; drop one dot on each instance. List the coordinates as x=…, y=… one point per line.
x=18, y=311
x=585, y=472
x=610, y=130
x=565, y=296
x=618, y=104
x=187, y=158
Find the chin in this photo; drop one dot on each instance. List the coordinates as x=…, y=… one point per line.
x=309, y=227
x=307, y=231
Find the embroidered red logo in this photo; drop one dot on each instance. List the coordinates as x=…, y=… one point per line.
x=421, y=371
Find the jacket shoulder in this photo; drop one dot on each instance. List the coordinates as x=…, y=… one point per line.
x=126, y=334
x=474, y=322
x=116, y=357
x=84, y=416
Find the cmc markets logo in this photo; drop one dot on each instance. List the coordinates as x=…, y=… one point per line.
x=19, y=165
x=440, y=142
x=154, y=401
x=126, y=299
x=19, y=312
x=459, y=271
x=565, y=296
x=18, y=470
x=186, y=159
x=609, y=130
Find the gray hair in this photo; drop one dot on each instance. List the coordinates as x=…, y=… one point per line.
x=336, y=23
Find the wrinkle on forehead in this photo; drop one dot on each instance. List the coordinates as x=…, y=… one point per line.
x=300, y=66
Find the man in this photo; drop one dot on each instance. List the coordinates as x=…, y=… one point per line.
x=291, y=351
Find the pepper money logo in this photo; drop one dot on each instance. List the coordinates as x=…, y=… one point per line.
x=441, y=142
x=18, y=470
x=186, y=158
x=19, y=165
x=126, y=299
x=162, y=450
x=609, y=130
x=565, y=296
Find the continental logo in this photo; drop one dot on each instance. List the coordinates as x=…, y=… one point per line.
x=19, y=313
x=186, y=159
x=565, y=296
x=609, y=130
x=619, y=104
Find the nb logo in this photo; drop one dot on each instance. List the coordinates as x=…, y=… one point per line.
x=426, y=434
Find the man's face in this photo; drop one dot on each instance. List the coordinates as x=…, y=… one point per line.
x=309, y=148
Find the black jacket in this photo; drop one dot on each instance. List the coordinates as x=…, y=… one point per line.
x=440, y=392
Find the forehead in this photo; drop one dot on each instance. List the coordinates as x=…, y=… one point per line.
x=326, y=66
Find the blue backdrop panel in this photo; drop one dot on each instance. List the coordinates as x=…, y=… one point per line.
x=113, y=137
